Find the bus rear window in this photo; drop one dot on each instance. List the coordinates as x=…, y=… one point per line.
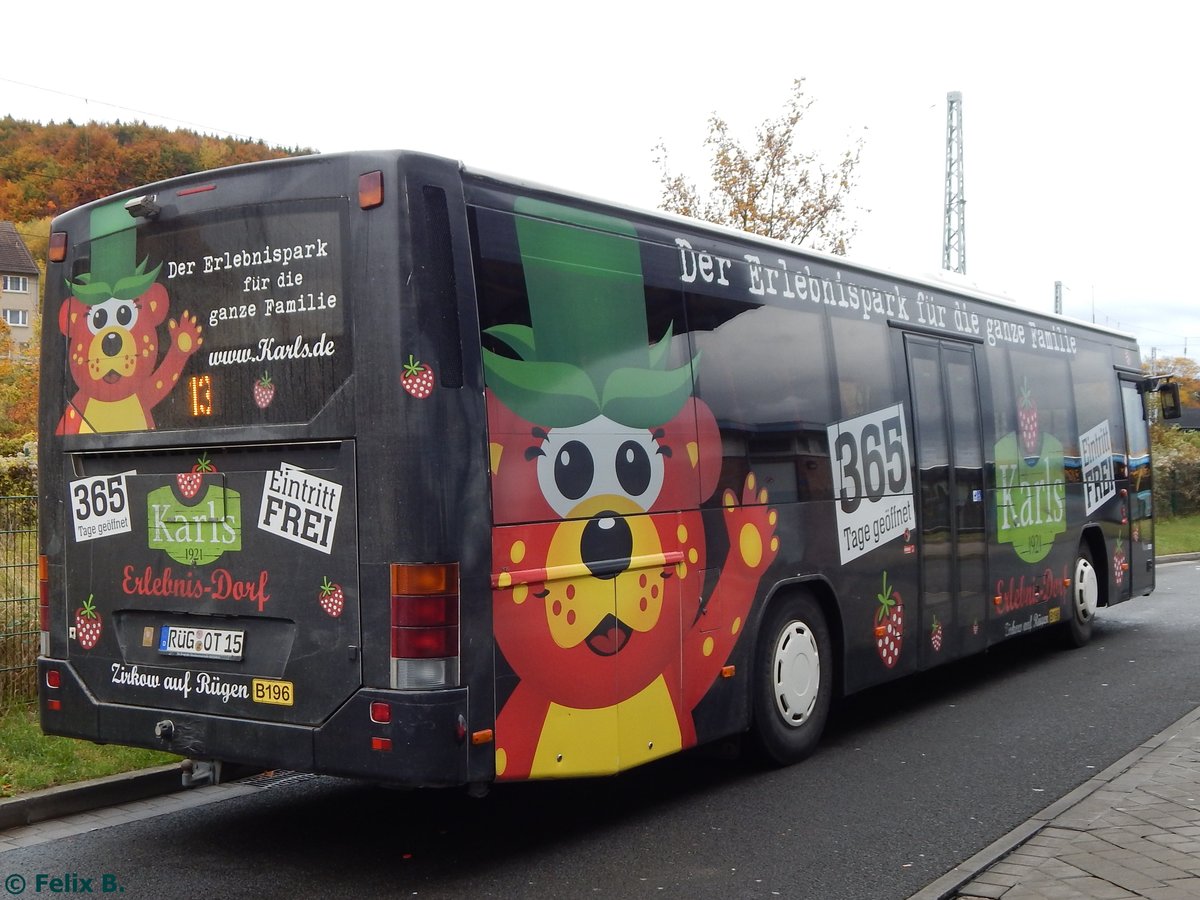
x=244, y=307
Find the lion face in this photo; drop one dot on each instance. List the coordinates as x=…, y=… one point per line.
x=588, y=606
x=113, y=343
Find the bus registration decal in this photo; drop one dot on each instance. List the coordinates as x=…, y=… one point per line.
x=871, y=480
x=270, y=690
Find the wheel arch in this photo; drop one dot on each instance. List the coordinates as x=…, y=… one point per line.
x=819, y=589
x=1092, y=539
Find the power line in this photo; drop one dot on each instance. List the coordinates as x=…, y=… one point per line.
x=128, y=109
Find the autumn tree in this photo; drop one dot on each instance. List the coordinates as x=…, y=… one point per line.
x=18, y=394
x=47, y=169
x=774, y=189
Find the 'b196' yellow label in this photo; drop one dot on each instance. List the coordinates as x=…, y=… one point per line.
x=279, y=693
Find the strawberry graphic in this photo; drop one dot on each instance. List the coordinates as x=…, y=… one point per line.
x=935, y=635
x=1027, y=417
x=264, y=391
x=189, y=482
x=332, y=599
x=88, y=624
x=417, y=378
x=889, y=624
x=1119, y=562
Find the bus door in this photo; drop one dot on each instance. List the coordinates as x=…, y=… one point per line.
x=951, y=541
x=1137, y=519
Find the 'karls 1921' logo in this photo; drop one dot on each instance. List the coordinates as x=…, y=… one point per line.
x=196, y=533
x=1031, y=508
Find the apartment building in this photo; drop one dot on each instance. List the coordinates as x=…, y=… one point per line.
x=19, y=287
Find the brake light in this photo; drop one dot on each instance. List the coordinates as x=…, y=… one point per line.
x=425, y=634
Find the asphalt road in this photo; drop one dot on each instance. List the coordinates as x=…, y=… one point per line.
x=911, y=780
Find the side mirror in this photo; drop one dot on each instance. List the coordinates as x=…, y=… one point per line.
x=1168, y=398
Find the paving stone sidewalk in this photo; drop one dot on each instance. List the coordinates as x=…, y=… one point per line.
x=1132, y=831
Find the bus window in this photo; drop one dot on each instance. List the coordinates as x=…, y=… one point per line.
x=864, y=371
x=256, y=295
x=765, y=374
x=1101, y=437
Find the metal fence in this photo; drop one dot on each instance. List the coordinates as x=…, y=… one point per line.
x=18, y=599
x=1177, y=491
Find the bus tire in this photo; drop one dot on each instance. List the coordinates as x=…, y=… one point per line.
x=793, y=680
x=1084, y=598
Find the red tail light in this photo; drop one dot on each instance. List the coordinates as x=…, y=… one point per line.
x=425, y=634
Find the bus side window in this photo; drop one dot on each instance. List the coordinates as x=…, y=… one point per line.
x=862, y=358
x=1097, y=400
x=1044, y=408
x=763, y=371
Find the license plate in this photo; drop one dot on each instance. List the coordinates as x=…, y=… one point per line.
x=206, y=643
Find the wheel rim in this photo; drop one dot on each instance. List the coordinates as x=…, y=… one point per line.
x=1087, y=590
x=796, y=674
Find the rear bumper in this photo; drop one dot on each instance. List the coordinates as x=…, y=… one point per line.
x=427, y=732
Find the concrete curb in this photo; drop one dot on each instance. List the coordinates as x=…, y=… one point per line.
x=1177, y=557
x=37, y=806
x=967, y=871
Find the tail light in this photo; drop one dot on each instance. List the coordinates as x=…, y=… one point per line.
x=57, y=250
x=44, y=603
x=425, y=635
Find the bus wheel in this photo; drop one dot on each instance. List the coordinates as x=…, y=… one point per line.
x=794, y=680
x=1085, y=596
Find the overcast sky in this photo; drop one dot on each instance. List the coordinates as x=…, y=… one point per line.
x=1079, y=118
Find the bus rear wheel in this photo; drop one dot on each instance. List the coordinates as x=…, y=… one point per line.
x=794, y=680
x=1085, y=597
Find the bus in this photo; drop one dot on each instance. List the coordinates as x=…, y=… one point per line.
x=375, y=465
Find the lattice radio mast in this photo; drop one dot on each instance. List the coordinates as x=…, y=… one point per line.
x=954, y=243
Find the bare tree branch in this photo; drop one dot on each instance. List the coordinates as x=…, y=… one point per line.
x=772, y=189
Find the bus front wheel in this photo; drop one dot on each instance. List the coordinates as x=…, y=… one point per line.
x=1085, y=597
x=794, y=680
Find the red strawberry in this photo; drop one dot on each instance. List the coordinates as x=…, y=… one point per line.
x=88, y=624
x=1027, y=416
x=889, y=624
x=935, y=636
x=332, y=599
x=264, y=391
x=417, y=378
x=189, y=482
x=1119, y=562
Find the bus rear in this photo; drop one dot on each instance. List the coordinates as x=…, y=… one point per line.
x=241, y=562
